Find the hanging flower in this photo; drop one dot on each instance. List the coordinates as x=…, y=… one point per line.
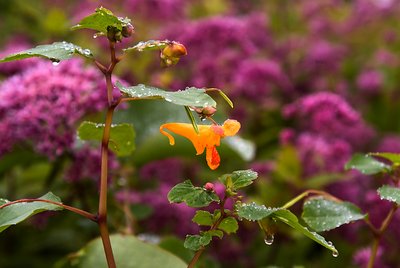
x=208, y=137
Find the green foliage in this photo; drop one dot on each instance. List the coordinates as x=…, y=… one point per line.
x=254, y=212
x=191, y=195
x=238, y=179
x=55, y=52
x=323, y=215
x=195, y=242
x=16, y=213
x=216, y=233
x=203, y=218
x=129, y=252
x=122, y=136
x=101, y=20
x=390, y=193
x=149, y=45
x=189, y=97
x=229, y=225
x=392, y=157
x=366, y=164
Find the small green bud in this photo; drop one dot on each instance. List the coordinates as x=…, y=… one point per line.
x=113, y=34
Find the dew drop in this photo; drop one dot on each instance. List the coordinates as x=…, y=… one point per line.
x=95, y=36
x=335, y=254
x=55, y=63
x=269, y=239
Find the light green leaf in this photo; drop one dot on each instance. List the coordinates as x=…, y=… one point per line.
x=216, y=233
x=390, y=193
x=55, y=52
x=129, y=252
x=322, y=214
x=195, y=242
x=392, y=157
x=229, y=225
x=203, y=218
x=192, y=119
x=254, y=212
x=149, y=45
x=290, y=219
x=191, y=195
x=367, y=164
x=16, y=213
x=122, y=136
x=189, y=97
x=239, y=179
x=101, y=20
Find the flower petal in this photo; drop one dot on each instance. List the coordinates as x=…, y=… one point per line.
x=212, y=156
x=231, y=127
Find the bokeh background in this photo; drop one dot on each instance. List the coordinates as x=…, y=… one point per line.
x=313, y=82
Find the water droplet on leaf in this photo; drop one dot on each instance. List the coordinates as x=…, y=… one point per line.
x=55, y=63
x=335, y=254
x=269, y=239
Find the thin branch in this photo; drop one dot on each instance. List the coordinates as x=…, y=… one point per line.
x=308, y=192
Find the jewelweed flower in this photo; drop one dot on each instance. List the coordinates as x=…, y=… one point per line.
x=208, y=138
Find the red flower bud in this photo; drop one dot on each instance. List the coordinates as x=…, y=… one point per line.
x=127, y=30
x=209, y=186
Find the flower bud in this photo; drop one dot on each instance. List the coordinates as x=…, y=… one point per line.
x=113, y=34
x=127, y=30
x=174, y=50
x=209, y=186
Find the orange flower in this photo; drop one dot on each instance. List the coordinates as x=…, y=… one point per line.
x=208, y=137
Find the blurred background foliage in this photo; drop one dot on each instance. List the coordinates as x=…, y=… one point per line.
x=312, y=82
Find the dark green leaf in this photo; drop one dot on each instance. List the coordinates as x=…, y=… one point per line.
x=195, y=242
x=191, y=195
x=16, y=213
x=55, y=52
x=390, y=193
x=189, y=97
x=122, y=136
x=323, y=215
x=392, y=157
x=367, y=164
x=203, y=218
x=216, y=233
x=101, y=20
x=229, y=225
x=149, y=45
x=239, y=179
x=290, y=219
x=254, y=212
x=129, y=252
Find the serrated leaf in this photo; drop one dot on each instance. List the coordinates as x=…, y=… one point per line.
x=150, y=45
x=390, y=193
x=238, y=179
x=101, y=20
x=195, y=242
x=122, y=136
x=55, y=52
x=191, y=96
x=392, y=157
x=323, y=215
x=229, y=225
x=290, y=219
x=254, y=212
x=203, y=218
x=216, y=233
x=191, y=195
x=16, y=213
x=367, y=165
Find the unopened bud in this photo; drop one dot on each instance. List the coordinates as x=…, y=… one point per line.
x=127, y=30
x=206, y=111
x=174, y=50
x=209, y=186
x=113, y=34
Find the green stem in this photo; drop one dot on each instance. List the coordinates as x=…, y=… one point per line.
x=306, y=193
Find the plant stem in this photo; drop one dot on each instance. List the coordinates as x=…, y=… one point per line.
x=378, y=235
x=308, y=192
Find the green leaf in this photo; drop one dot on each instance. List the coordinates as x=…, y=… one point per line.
x=195, y=242
x=392, y=157
x=390, y=193
x=254, y=212
x=101, y=20
x=203, y=218
x=367, y=164
x=216, y=233
x=122, y=136
x=16, y=213
x=288, y=166
x=229, y=225
x=290, y=219
x=239, y=179
x=322, y=214
x=129, y=252
x=192, y=119
x=149, y=45
x=189, y=97
x=55, y=52
x=191, y=195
